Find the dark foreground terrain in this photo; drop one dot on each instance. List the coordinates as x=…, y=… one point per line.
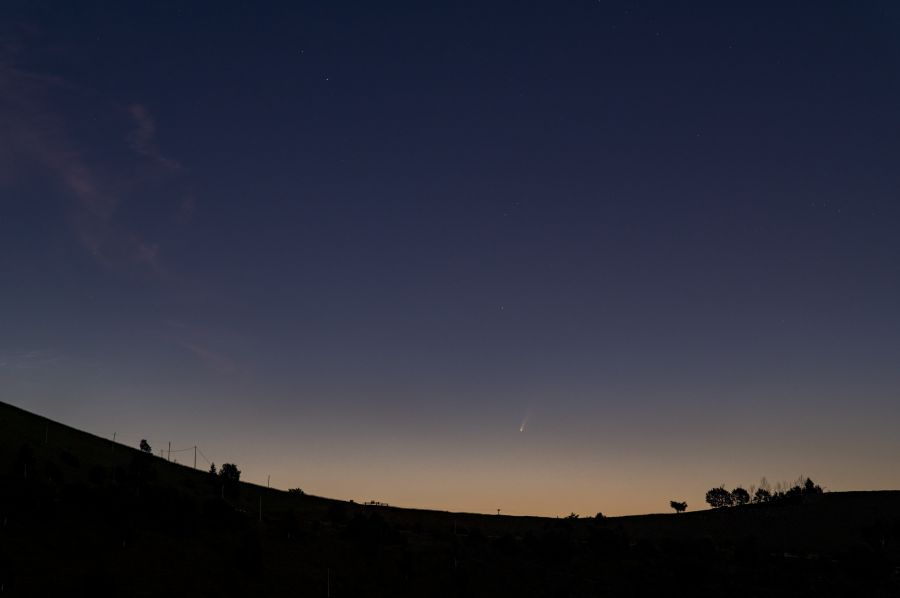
x=81, y=516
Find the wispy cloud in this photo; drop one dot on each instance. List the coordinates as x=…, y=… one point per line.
x=36, y=132
x=199, y=343
x=143, y=138
x=29, y=360
x=211, y=359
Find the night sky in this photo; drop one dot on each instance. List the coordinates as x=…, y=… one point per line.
x=538, y=256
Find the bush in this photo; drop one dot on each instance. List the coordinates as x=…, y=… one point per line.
x=739, y=496
x=680, y=507
x=810, y=488
x=229, y=477
x=719, y=497
x=229, y=473
x=762, y=496
x=800, y=492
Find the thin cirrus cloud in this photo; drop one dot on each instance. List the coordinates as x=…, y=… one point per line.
x=197, y=342
x=143, y=138
x=211, y=359
x=38, y=137
x=29, y=360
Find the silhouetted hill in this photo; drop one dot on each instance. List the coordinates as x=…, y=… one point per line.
x=83, y=516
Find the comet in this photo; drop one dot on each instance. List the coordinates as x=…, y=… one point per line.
x=526, y=416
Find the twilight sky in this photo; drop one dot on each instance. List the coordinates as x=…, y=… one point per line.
x=357, y=245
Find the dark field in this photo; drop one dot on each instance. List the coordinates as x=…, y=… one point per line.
x=81, y=516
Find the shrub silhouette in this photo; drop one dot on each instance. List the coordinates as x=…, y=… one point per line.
x=810, y=488
x=719, y=497
x=739, y=496
x=680, y=507
x=145, y=446
x=229, y=476
x=801, y=491
x=762, y=496
x=792, y=496
x=797, y=493
x=229, y=473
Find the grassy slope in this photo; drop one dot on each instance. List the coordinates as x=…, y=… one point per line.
x=105, y=519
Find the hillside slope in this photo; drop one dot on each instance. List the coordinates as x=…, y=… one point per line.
x=83, y=515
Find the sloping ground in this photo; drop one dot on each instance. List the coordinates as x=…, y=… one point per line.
x=822, y=524
x=81, y=516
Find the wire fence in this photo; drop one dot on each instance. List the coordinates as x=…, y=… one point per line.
x=201, y=461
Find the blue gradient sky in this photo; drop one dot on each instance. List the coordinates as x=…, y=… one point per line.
x=355, y=246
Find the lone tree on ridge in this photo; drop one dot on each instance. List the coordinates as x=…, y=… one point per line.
x=230, y=473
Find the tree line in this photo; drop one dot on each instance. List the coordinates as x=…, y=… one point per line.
x=719, y=497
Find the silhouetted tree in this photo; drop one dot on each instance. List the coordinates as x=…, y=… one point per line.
x=793, y=495
x=298, y=491
x=719, y=497
x=572, y=515
x=230, y=473
x=212, y=469
x=680, y=507
x=809, y=488
x=796, y=494
x=145, y=446
x=762, y=495
x=599, y=515
x=739, y=496
x=229, y=478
